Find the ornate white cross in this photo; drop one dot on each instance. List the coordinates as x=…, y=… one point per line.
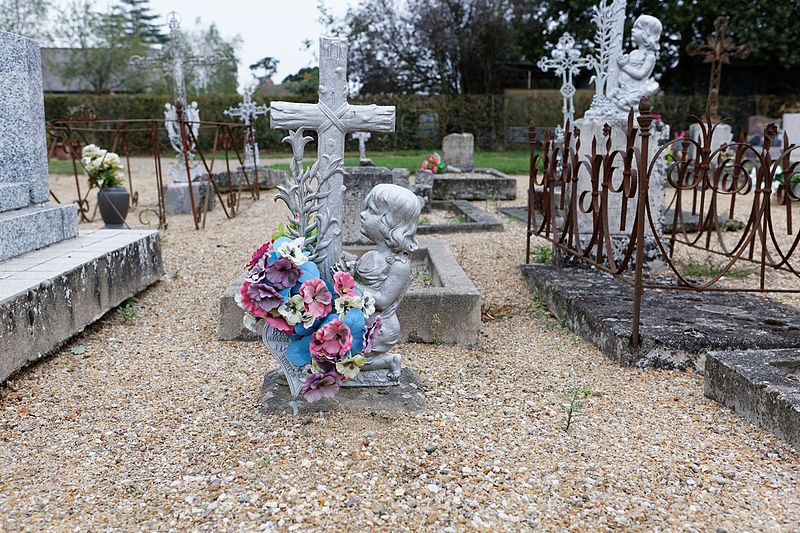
x=248, y=112
x=174, y=57
x=567, y=62
x=333, y=118
x=362, y=137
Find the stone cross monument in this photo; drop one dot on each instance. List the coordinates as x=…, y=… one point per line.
x=248, y=112
x=566, y=60
x=332, y=118
x=172, y=60
x=718, y=49
x=362, y=137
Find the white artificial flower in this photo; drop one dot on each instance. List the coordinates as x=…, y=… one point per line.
x=294, y=251
x=368, y=305
x=90, y=151
x=292, y=310
x=345, y=303
x=350, y=368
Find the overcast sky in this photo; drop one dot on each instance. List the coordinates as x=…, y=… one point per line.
x=275, y=28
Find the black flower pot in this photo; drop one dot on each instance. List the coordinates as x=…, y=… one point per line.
x=113, y=204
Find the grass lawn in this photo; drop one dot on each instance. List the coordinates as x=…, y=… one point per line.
x=509, y=162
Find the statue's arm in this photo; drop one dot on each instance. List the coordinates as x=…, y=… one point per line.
x=394, y=287
x=642, y=71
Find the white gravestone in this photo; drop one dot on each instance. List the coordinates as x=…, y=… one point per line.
x=791, y=126
x=332, y=118
x=458, y=150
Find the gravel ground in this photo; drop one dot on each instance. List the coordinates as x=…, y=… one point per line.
x=156, y=426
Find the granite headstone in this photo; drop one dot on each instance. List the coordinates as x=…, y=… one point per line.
x=458, y=150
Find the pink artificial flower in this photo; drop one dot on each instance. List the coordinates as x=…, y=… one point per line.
x=259, y=298
x=370, y=332
x=279, y=323
x=343, y=283
x=258, y=254
x=317, y=297
x=331, y=341
x=319, y=386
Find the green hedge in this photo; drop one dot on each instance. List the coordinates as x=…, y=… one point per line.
x=423, y=120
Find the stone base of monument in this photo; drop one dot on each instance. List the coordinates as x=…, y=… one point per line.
x=478, y=184
x=36, y=226
x=678, y=329
x=761, y=385
x=268, y=178
x=426, y=313
x=408, y=396
x=49, y=295
x=177, y=200
x=619, y=245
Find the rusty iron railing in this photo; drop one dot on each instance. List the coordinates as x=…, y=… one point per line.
x=570, y=204
x=129, y=137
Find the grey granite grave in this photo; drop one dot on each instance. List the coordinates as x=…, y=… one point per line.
x=458, y=150
x=178, y=201
x=478, y=184
x=467, y=218
x=426, y=313
x=53, y=283
x=678, y=328
x=760, y=385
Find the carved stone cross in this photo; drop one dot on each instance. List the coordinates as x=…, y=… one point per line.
x=362, y=137
x=566, y=60
x=332, y=118
x=718, y=48
x=248, y=112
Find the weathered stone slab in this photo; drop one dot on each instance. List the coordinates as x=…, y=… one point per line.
x=268, y=178
x=408, y=396
x=458, y=150
x=480, y=184
x=475, y=219
x=425, y=314
x=36, y=226
x=177, y=200
x=677, y=328
x=48, y=296
x=760, y=385
x=23, y=150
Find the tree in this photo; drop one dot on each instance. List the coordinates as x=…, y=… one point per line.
x=139, y=21
x=98, y=49
x=26, y=17
x=264, y=69
x=304, y=81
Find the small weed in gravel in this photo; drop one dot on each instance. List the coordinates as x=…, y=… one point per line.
x=576, y=397
x=127, y=312
x=712, y=270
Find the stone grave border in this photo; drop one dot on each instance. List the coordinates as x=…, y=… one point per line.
x=489, y=184
x=478, y=219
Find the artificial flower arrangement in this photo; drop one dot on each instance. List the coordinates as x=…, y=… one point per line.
x=104, y=168
x=326, y=323
x=434, y=163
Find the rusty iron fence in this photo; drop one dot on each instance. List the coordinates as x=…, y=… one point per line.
x=132, y=137
x=605, y=208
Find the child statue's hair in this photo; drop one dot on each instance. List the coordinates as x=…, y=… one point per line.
x=399, y=209
x=652, y=27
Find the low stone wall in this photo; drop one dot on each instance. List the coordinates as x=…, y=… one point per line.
x=48, y=296
x=447, y=312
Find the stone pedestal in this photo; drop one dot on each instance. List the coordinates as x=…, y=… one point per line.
x=458, y=150
x=791, y=125
x=177, y=200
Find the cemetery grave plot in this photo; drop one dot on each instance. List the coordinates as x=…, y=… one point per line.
x=457, y=216
x=479, y=184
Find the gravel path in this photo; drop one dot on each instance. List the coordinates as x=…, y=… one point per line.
x=156, y=426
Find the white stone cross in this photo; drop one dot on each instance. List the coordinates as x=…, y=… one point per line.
x=362, y=137
x=332, y=118
x=248, y=112
x=174, y=57
x=567, y=62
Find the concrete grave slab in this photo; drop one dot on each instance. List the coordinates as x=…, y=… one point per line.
x=177, y=200
x=479, y=184
x=677, y=328
x=760, y=385
x=48, y=296
x=426, y=313
x=475, y=219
